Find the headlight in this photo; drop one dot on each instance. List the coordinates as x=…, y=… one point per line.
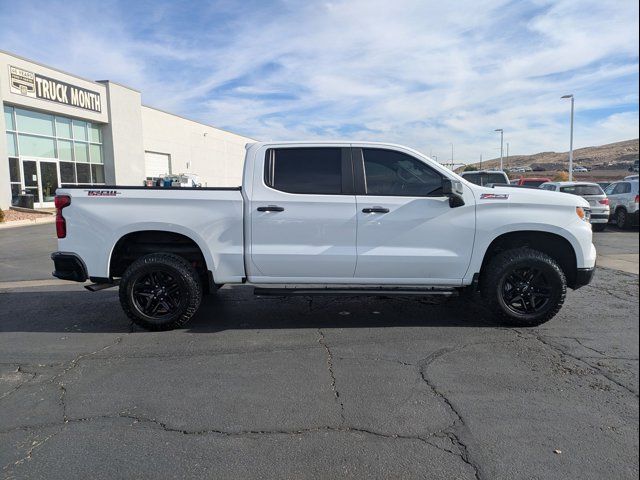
x=583, y=213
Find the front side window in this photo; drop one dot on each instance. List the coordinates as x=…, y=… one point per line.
x=391, y=173
x=610, y=188
x=305, y=170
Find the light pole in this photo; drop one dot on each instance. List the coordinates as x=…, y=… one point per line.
x=480, y=161
x=570, y=138
x=501, y=146
x=451, y=155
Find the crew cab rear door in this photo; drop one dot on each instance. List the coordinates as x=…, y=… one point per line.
x=303, y=216
x=407, y=230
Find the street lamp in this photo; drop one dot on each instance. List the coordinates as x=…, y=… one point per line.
x=501, y=146
x=570, y=138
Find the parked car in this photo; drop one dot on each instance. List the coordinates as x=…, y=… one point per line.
x=532, y=182
x=517, y=170
x=623, y=200
x=484, y=177
x=580, y=169
x=592, y=193
x=538, y=168
x=326, y=218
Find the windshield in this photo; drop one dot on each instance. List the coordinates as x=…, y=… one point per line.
x=582, y=190
x=483, y=178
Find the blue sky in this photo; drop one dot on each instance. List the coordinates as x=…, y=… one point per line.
x=421, y=73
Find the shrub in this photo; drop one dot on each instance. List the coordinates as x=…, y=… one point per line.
x=1, y=215
x=561, y=177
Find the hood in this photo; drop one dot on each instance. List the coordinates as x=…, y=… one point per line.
x=531, y=195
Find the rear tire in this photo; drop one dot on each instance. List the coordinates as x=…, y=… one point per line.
x=622, y=219
x=598, y=227
x=524, y=287
x=160, y=291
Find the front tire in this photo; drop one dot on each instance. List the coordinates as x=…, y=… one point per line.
x=524, y=287
x=160, y=291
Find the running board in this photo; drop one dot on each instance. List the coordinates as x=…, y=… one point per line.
x=265, y=291
x=96, y=287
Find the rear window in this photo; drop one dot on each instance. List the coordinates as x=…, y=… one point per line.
x=582, y=190
x=304, y=170
x=484, y=178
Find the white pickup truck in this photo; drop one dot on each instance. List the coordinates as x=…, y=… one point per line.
x=352, y=217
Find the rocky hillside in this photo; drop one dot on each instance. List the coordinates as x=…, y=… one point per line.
x=612, y=155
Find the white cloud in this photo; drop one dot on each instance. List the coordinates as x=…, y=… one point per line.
x=422, y=73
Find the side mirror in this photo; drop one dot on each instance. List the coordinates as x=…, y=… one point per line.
x=454, y=190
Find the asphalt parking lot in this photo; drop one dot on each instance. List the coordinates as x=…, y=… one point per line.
x=322, y=388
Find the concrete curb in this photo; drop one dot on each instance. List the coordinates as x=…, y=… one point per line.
x=26, y=223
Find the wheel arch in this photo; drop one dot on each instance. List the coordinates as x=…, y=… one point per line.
x=556, y=246
x=136, y=242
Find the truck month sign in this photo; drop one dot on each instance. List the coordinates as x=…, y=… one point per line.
x=34, y=85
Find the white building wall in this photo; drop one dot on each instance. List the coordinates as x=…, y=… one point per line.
x=215, y=155
x=123, y=146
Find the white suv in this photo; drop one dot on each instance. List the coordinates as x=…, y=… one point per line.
x=623, y=200
x=591, y=192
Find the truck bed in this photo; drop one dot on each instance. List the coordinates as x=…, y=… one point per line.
x=99, y=216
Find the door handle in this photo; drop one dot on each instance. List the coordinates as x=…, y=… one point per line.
x=271, y=208
x=375, y=210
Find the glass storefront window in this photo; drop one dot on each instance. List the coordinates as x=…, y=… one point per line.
x=8, y=118
x=32, y=146
x=63, y=127
x=84, y=172
x=69, y=151
x=97, y=173
x=95, y=133
x=34, y=122
x=65, y=150
x=14, y=170
x=12, y=147
x=81, y=151
x=96, y=153
x=79, y=130
x=67, y=172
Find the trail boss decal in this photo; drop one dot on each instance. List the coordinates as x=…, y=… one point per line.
x=102, y=193
x=29, y=84
x=494, y=196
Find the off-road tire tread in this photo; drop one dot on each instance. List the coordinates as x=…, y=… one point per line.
x=184, y=269
x=494, y=271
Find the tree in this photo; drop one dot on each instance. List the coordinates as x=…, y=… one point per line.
x=561, y=177
x=470, y=168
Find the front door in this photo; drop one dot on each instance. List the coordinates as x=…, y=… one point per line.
x=41, y=179
x=303, y=217
x=407, y=231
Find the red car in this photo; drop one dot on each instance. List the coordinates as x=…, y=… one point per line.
x=531, y=182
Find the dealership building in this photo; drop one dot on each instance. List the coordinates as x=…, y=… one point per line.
x=61, y=129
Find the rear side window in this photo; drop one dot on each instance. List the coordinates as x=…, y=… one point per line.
x=304, y=170
x=392, y=173
x=582, y=190
x=533, y=183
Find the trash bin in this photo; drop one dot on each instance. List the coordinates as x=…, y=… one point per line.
x=25, y=200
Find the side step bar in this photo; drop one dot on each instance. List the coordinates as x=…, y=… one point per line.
x=96, y=287
x=265, y=291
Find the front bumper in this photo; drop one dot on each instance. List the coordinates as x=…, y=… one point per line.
x=69, y=266
x=583, y=277
x=599, y=217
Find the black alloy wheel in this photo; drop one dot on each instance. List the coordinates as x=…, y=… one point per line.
x=525, y=291
x=156, y=294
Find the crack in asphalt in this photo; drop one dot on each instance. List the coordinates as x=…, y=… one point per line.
x=20, y=370
x=35, y=444
x=458, y=429
x=322, y=341
x=564, y=353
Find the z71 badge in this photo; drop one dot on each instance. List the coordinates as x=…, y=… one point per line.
x=494, y=196
x=102, y=193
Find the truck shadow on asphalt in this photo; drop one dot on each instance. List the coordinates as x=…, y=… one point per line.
x=237, y=308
